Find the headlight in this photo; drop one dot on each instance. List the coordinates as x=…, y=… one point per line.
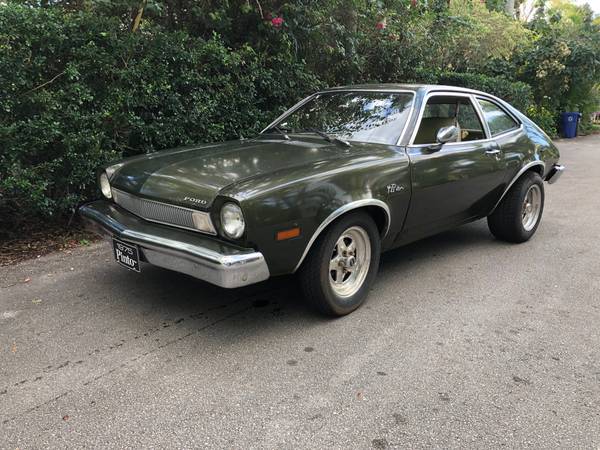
x=232, y=220
x=105, y=186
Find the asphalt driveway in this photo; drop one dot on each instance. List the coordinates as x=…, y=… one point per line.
x=466, y=342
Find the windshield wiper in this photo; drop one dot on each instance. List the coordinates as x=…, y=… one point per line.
x=330, y=138
x=281, y=132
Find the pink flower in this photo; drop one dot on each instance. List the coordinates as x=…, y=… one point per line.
x=381, y=24
x=277, y=22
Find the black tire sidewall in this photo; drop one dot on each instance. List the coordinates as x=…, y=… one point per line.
x=506, y=222
x=529, y=181
x=344, y=305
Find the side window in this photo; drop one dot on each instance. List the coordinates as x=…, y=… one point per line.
x=442, y=111
x=497, y=119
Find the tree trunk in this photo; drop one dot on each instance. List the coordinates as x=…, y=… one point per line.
x=138, y=17
x=509, y=7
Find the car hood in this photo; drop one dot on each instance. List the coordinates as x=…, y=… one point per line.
x=194, y=176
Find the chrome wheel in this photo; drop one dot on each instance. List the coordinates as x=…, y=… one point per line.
x=532, y=205
x=350, y=261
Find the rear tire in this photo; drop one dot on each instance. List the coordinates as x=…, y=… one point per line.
x=338, y=272
x=518, y=215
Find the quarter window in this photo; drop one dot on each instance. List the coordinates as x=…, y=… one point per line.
x=496, y=118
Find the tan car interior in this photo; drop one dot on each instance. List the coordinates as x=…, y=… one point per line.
x=442, y=111
x=430, y=126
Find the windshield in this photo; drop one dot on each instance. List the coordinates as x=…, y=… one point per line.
x=377, y=117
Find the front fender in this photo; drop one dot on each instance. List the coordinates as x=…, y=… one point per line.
x=312, y=202
x=345, y=209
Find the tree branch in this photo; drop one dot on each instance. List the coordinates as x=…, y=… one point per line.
x=44, y=84
x=260, y=10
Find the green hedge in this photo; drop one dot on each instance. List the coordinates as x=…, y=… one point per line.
x=516, y=93
x=78, y=90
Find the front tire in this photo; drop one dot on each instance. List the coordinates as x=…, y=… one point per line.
x=518, y=215
x=337, y=274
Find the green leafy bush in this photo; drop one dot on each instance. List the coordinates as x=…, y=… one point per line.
x=516, y=93
x=544, y=118
x=79, y=90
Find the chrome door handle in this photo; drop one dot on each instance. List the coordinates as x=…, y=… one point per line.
x=492, y=152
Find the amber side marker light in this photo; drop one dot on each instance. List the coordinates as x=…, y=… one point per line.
x=288, y=234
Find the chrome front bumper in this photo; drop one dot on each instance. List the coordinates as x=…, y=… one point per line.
x=188, y=252
x=555, y=173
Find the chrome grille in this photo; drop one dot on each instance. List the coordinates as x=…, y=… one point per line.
x=157, y=211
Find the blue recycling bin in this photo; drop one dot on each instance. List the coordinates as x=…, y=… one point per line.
x=568, y=124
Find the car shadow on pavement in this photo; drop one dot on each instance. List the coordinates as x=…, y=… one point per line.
x=473, y=236
x=171, y=294
x=118, y=317
x=161, y=311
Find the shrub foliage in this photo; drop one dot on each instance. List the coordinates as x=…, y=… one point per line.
x=85, y=82
x=80, y=90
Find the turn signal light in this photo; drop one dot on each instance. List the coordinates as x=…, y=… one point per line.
x=288, y=234
x=202, y=222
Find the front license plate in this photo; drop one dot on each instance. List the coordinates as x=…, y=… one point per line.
x=127, y=255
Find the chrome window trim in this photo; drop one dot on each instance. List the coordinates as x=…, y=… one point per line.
x=290, y=111
x=479, y=110
x=410, y=114
x=478, y=141
x=447, y=94
x=213, y=232
x=508, y=132
x=523, y=169
x=342, y=210
x=329, y=91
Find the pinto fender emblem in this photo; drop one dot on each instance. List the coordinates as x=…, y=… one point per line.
x=393, y=188
x=197, y=201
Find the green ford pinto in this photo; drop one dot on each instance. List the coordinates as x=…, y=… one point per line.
x=343, y=175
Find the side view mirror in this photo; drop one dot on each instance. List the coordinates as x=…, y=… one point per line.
x=447, y=134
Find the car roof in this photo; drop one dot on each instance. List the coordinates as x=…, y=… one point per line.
x=404, y=87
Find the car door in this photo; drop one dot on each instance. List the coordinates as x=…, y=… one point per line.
x=507, y=132
x=457, y=181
